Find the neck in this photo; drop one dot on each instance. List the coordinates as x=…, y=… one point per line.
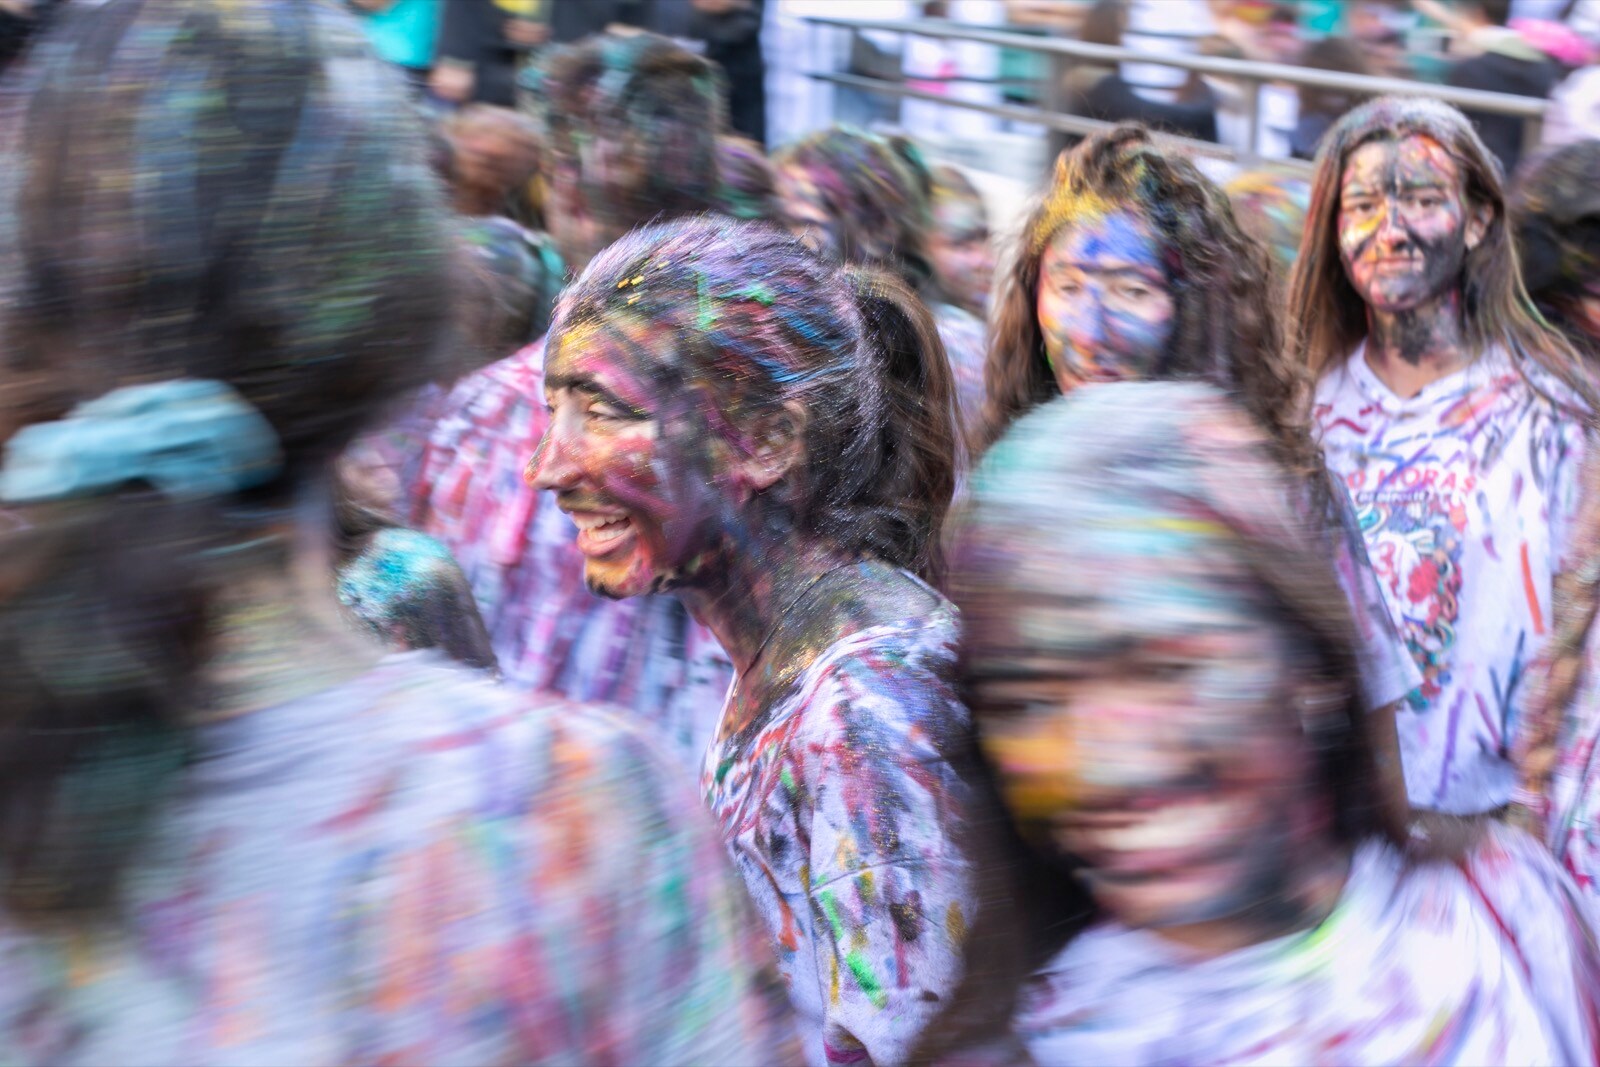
x=1305, y=899
x=279, y=632
x=752, y=595
x=1411, y=349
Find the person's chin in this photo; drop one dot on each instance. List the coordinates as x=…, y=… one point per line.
x=615, y=583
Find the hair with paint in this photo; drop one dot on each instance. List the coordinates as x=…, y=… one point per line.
x=1270, y=206
x=201, y=190
x=1555, y=209
x=875, y=196
x=745, y=187
x=1328, y=318
x=759, y=321
x=1225, y=332
x=516, y=276
x=630, y=125
x=495, y=152
x=1141, y=482
x=950, y=184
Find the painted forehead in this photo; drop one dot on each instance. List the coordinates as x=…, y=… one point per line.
x=1116, y=237
x=1410, y=161
x=630, y=358
x=1099, y=589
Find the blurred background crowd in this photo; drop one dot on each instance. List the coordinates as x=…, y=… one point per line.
x=830, y=531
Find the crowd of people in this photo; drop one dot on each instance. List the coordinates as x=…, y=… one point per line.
x=563, y=584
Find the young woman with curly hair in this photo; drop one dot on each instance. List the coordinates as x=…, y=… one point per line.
x=1132, y=267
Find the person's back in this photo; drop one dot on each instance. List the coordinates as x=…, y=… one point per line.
x=410, y=867
x=231, y=829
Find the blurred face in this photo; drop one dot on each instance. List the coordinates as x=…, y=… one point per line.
x=1162, y=756
x=1105, y=306
x=629, y=461
x=962, y=257
x=804, y=210
x=1404, y=222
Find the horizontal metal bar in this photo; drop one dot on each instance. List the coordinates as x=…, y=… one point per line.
x=1467, y=99
x=1066, y=123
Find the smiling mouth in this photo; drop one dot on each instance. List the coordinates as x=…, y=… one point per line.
x=1165, y=840
x=600, y=535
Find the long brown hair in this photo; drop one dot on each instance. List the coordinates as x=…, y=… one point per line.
x=1328, y=318
x=1226, y=332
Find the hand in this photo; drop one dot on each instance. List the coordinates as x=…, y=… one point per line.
x=1437, y=836
x=452, y=81
x=718, y=7
x=372, y=7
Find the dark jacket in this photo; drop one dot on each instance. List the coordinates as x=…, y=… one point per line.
x=1499, y=72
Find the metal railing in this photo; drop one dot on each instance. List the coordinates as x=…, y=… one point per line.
x=1251, y=74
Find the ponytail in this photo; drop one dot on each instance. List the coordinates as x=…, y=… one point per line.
x=904, y=507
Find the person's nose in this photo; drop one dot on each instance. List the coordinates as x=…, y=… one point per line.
x=1086, y=324
x=1392, y=235
x=555, y=461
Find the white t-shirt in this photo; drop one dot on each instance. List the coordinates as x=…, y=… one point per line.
x=840, y=807
x=1465, y=493
x=1491, y=960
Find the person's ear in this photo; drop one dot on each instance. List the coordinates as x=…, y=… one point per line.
x=779, y=447
x=1478, y=218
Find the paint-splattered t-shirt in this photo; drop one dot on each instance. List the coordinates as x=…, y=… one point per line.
x=414, y=867
x=520, y=554
x=841, y=809
x=1465, y=493
x=405, y=589
x=1488, y=961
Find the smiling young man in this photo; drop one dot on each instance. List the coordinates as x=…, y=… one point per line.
x=1456, y=420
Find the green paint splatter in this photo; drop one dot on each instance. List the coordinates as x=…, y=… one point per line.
x=866, y=979
x=788, y=781
x=830, y=908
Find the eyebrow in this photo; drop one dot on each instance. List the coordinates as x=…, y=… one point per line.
x=582, y=383
x=1131, y=270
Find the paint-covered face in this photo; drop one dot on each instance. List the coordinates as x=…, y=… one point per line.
x=1404, y=222
x=804, y=210
x=963, y=259
x=629, y=460
x=1138, y=723
x=1105, y=305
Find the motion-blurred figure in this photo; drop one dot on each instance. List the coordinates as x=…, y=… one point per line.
x=960, y=246
x=231, y=830
x=865, y=199
x=1160, y=665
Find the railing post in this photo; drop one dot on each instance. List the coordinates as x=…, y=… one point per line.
x=1253, y=95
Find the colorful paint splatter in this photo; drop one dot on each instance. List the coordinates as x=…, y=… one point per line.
x=1464, y=493
x=519, y=554
x=838, y=806
x=406, y=590
x=476, y=878
x=1489, y=961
